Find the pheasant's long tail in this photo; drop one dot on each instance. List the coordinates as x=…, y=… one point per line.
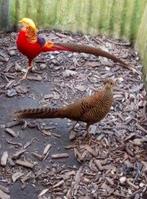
x=89, y=50
x=44, y=112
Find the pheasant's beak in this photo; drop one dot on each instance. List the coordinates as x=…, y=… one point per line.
x=26, y=22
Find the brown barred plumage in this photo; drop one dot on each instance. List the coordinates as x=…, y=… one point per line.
x=90, y=109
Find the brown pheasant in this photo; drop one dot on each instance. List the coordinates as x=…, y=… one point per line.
x=90, y=109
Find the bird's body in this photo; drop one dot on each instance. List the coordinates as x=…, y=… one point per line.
x=30, y=44
x=32, y=47
x=90, y=109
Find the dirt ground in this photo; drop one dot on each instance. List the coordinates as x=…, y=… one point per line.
x=112, y=165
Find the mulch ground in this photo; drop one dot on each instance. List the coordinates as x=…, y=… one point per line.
x=112, y=163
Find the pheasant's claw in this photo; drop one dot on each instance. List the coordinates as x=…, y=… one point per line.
x=25, y=75
x=26, y=72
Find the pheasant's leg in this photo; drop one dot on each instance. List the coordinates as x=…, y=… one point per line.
x=28, y=69
x=86, y=134
x=72, y=134
x=26, y=73
x=73, y=126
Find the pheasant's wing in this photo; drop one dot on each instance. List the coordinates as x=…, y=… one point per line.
x=78, y=109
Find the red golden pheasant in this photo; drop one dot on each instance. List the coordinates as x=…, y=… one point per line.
x=30, y=44
x=90, y=109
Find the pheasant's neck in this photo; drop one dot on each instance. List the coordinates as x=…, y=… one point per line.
x=108, y=92
x=31, y=35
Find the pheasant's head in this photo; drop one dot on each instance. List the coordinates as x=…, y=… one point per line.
x=30, y=29
x=28, y=23
x=109, y=84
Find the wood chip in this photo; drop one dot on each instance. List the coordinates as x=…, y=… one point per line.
x=141, y=128
x=26, y=177
x=90, y=150
x=16, y=176
x=4, y=158
x=123, y=180
x=56, y=135
x=38, y=156
x=58, y=184
x=14, y=143
x=60, y=155
x=4, y=195
x=35, y=78
x=68, y=174
x=25, y=164
x=77, y=180
x=72, y=135
x=45, y=132
x=46, y=149
x=98, y=165
x=27, y=144
x=4, y=189
x=44, y=191
x=78, y=155
x=11, y=132
x=18, y=154
x=10, y=84
x=13, y=123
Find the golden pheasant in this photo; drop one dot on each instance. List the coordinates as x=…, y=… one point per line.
x=30, y=44
x=90, y=109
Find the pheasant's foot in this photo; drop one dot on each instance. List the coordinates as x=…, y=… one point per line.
x=87, y=136
x=72, y=134
x=34, y=69
x=26, y=72
x=24, y=76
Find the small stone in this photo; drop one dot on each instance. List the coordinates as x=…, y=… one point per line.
x=141, y=185
x=21, y=89
x=122, y=180
x=137, y=142
x=18, y=68
x=4, y=158
x=11, y=162
x=11, y=93
x=93, y=129
x=137, y=196
x=12, y=52
x=24, y=70
x=69, y=73
x=81, y=88
x=43, y=66
x=72, y=135
x=120, y=79
x=130, y=191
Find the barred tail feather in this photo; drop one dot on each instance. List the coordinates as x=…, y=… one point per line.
x=89, y=50
x=44, y=112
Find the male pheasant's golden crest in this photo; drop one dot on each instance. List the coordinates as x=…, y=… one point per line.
x=28, y=22
x=31, y=30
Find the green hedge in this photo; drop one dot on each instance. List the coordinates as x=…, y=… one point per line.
x=118, y=18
